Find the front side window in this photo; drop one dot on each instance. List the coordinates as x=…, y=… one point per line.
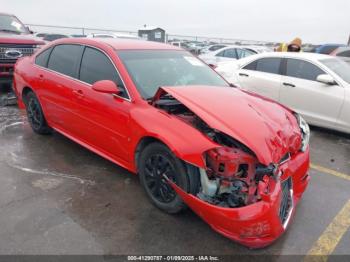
x=11, y=24
x=65, y=59
x=151, y=69
x=96, y=66
x=338, y=66
x=269, y=65
x=302, y=69
x=42, y=58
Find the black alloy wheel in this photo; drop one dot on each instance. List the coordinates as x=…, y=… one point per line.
x=157, y=163
x=35, y=114
x=158, y=166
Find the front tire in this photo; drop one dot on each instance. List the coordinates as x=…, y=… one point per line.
x=35, y=115
x=155, y=160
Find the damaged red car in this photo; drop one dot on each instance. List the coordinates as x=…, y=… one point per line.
x=238, y=160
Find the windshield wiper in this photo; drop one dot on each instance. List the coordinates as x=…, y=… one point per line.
x=10, y=31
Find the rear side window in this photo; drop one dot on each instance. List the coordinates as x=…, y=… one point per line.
x=302, y=69
x=241, y=53
x=96, y=66
x=221, y=54
x=65, y=59
x=230, y=53
x=344, y=53
x=268, y=65
x=43, y=57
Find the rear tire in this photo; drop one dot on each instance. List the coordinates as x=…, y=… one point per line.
x=35, y=115
x=155, y=160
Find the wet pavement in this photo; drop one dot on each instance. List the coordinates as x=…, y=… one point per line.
x=56, y=197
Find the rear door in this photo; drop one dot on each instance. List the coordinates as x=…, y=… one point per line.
x=226, y=55
x=103, y=119
x=58, y=82
x=262, y=76
x=41, y=71
x=241, y=53
x=318, y=102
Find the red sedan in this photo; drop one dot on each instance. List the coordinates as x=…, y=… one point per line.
x=240, y=161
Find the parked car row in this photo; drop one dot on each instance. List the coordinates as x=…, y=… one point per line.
x=203, y=48
x=51, y=37
x=227, y=53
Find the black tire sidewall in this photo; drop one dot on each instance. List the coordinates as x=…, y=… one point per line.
x=43, y=128
x=177, y=204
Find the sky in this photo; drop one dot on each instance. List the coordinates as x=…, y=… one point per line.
x=315, y=21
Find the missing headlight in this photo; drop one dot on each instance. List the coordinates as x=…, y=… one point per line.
x=305, y=132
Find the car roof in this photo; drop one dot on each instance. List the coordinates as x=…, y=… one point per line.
x=302, y=55
x=119, y=44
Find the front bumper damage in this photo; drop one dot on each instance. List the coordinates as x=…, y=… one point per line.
x=259, y=224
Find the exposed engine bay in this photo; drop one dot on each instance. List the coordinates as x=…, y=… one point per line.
x=233, y=173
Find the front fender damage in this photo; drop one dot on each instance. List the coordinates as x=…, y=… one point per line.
x=240, y=197
x=258, y=224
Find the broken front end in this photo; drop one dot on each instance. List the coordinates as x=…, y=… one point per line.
x=239, y=197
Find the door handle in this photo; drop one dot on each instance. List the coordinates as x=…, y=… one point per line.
x=41, y=77
x=78, y=93
x=288, y=84
x=243, y=74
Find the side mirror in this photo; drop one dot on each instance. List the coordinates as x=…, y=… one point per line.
x=326, y=79
x=107, y=87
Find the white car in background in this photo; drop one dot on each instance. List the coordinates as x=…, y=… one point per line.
x=258, y=48
x=113, y=35
x=212, y=48
x=314, y=85
x=228, y=53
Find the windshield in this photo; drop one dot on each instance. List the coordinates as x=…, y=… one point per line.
x=338, y=66
x=11, y=24
x=151, y=69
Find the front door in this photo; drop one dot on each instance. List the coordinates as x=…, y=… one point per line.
x=103, y=118
x=319, y=103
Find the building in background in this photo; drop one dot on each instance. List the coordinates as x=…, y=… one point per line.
x=155, y=34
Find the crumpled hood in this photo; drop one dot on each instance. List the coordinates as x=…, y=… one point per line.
x=7, y=38
x=267, y=128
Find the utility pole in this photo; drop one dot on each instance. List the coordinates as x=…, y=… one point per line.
x=349, y=40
